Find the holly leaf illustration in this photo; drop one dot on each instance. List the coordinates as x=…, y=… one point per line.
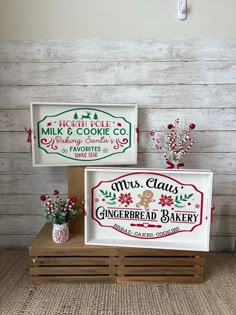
x=182, y=198
x=108, y=195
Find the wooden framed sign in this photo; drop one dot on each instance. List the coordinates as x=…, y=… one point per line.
x=83, y=134
x=165, y=209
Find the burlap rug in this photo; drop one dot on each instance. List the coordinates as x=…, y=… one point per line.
x=216, y=296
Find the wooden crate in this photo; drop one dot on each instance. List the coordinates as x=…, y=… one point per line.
x=153, y=265
x=75, y=262
x=71, y=261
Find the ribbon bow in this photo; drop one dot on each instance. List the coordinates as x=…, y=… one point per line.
x=29, y=138
x=212, y=209
x=172, y=165
x=84, y=213
x=29, y=133
x=137, y=131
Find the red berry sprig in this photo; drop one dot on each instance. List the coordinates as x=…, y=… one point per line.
x=61, y=210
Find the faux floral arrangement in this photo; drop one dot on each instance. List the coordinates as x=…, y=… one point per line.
x=60, y=211
x=175, y=141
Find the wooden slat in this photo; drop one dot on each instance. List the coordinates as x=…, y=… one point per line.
x=223, y=225
x=14, y=120
x=21, y=163
x=73, y=247
x=224, y=206
x=107, y=73
x=160, y=279
x=219, y=163
x=72, y=270
x=125, y=50
x=13, y=163
x=161, y=261
x=69, y=251
x=21, y=224
x=146, y=252
x=17, y=144
x=160, y=270
x=146, y=96
x=74, y=278
x=224, y=185
x=33, y=184
x=72, y=261
x=17, y=120
x=156, y=118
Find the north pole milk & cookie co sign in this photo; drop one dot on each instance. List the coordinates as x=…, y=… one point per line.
x=169, y=209
x=83, y=134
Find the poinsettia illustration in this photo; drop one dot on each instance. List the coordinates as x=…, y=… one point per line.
x=166, y=200
x=125, y=198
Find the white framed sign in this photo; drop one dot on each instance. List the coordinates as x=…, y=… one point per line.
x=149, y=208
x=66, y=134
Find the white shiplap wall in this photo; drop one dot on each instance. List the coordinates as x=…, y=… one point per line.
x=192, y=79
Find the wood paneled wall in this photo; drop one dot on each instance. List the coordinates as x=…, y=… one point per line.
x=187, y=79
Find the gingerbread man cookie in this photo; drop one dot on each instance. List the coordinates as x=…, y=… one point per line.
x=145, y=199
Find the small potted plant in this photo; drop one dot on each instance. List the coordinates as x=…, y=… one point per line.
x=59, y=213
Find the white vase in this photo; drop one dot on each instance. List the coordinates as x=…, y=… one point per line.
x=60, y=233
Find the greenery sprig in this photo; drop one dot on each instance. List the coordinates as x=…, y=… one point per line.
x=109, y=195
x=180, y=199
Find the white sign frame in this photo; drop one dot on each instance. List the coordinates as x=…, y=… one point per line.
x=108, y=225
x=89, y=133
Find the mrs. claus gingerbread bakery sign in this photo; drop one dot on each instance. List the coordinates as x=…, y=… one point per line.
x=149, y=208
